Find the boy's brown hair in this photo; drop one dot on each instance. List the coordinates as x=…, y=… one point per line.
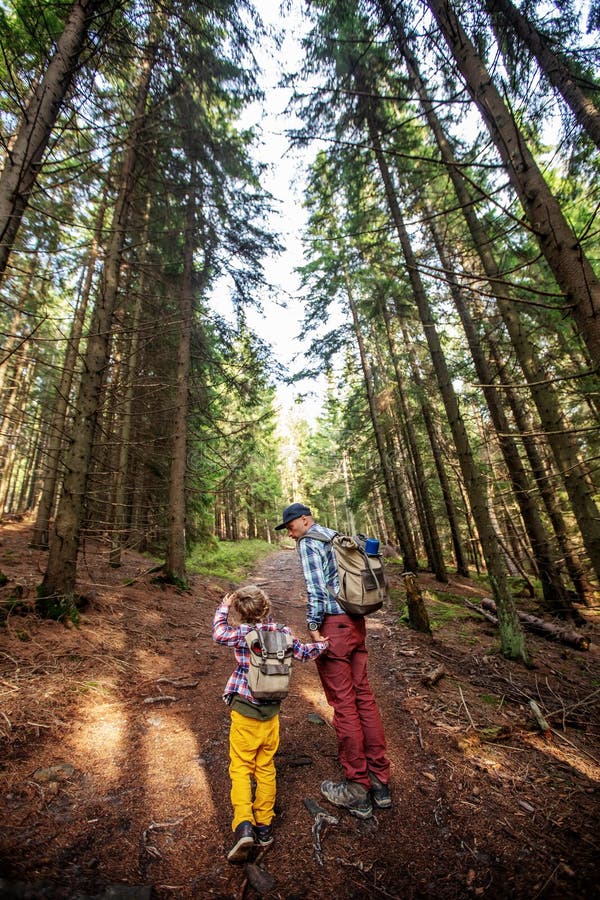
x=251, y=604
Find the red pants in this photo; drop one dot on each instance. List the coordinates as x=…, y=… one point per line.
x=343, y=672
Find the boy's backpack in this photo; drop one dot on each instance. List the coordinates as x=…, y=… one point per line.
x=270, y=666
x=363, y=584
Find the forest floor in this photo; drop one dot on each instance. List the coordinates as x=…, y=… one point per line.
x=113, y=772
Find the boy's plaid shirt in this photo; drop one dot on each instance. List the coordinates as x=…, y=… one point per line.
x=235, y=636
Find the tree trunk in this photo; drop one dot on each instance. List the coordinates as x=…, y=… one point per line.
x=33, y=458
x=408, y=486
x=14, y=340
x=12, y=420
x=120, y=517
x=25, y=155
x=12, y=446
x=573, y=564
x=578, y=489
x=57, y=426
x=409, y=555
x=511, y=633
x=176, y=543
x=573, y=87
x=560, y=246
x=437, y=559
x=555, y=596
x=462, y=566
x=59, y=579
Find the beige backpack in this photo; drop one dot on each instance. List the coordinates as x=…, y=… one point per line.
x=270, y=666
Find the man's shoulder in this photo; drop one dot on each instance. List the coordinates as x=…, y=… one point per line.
x=317, y=538
x=319, y=533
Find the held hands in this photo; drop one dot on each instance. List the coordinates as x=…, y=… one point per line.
x=317, y=636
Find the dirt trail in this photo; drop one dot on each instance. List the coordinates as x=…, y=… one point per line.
x=114, y=767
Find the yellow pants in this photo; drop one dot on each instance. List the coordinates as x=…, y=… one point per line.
x=252, y=746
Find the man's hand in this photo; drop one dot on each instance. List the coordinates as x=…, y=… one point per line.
x=317, y=636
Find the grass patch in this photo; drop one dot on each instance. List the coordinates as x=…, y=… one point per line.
x=228, y=559
x=444, y=596
x=491, y=699
x=468, y=638
x=443, y=612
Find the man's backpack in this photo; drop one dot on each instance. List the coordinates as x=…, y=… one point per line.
x=270, y=666
x=363, y=585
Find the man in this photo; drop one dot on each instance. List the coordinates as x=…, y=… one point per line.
x=343, y=672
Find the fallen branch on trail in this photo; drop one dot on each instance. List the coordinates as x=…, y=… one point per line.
x=543, y=725
x=259, y=879
x=163, y=698
x=482, y=612
x=432, y=677
x=532, y=623
x=177, y=682
x=149, y=571
x=322, y=818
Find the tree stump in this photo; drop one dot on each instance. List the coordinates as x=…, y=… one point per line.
x=418, y=618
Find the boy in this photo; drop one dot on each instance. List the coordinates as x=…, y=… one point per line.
x=254, y=730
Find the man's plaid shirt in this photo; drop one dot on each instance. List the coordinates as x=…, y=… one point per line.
x=235, y=636
x=320, y=575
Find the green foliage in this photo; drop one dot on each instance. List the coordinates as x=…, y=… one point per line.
x=230, y=560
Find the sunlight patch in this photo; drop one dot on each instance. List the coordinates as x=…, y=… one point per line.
x=315, y=697
x=570, y=756
x=175, y=780
x=99, y=736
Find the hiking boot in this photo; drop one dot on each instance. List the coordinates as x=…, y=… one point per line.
x=264, y=833
x=350, y=794
x=243, y=842
x=380, y=792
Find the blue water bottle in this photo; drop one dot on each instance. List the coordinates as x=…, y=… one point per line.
x=371, y=546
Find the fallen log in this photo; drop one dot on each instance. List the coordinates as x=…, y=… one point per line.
x=546, y=629
x=482, y=612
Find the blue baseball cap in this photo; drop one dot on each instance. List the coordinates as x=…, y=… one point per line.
x=293, y=512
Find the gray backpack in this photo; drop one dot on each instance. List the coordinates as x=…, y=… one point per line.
x=270, y=666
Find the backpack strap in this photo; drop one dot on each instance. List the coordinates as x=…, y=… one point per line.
x=257, y=635
x=318, y=537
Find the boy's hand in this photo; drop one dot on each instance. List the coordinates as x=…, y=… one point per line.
x=227, y=601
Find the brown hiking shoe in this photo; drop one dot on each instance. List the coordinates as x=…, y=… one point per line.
x=353, y=796
x=380, y=792
x=243, y=843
